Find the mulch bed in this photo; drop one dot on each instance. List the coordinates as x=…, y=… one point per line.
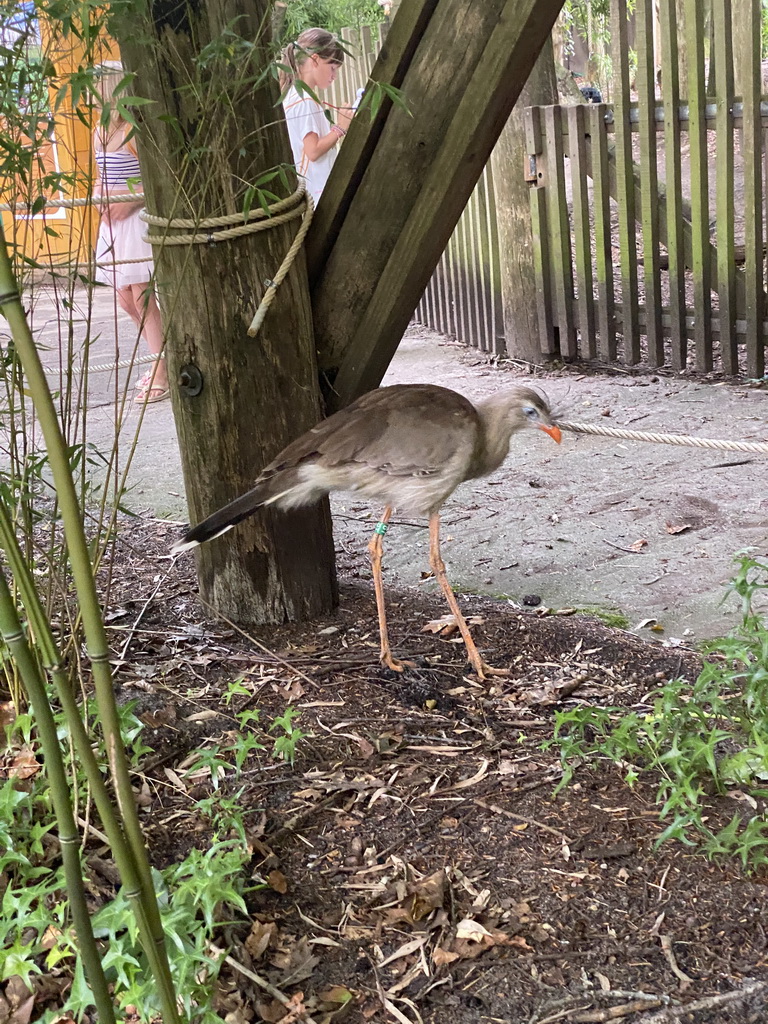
x=417, y=857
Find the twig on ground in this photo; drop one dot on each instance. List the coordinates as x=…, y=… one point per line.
x=140, y=616
x=666, y=946
x=495, y=809
x=261, y=982
x=257, y=643
x=613, y=1012
x=674, y=1013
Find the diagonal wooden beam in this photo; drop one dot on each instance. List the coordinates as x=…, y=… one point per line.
x=400, y=185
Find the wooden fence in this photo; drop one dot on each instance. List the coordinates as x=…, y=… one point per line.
x=652, y=212
x=463, y=298
x=649, y=212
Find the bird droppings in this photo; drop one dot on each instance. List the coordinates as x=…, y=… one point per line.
x=418, y=824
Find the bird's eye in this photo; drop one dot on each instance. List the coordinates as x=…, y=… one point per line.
x=530, y=412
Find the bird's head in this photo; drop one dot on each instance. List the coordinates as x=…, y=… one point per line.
x=533, y=410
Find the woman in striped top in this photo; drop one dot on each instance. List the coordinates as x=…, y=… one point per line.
x=121, y=234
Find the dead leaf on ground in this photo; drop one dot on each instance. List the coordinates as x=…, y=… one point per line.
x=336, y=995
x=19, y=1001
x=262, y=935
x=427, y=895
x=472, y=939
x=23, y=765
x=447, y=625
x=672, y=527
x=277, y=881
x=292, y=691
x=295, y=959
x=639, y=544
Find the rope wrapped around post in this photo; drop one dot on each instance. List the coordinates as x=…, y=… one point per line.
x=686, y=440
x=210, y=230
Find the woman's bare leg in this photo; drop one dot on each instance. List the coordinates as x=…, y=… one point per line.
x=152, y=329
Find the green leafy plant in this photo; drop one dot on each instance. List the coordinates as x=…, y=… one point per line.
x=698, y=740
x=286, y=743
x=196, y=896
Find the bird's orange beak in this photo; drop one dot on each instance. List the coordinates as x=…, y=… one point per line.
x=553, y=431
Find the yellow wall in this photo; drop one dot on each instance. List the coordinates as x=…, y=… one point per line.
x=67, y=235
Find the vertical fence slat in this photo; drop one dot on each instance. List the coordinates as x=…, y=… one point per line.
x=478, y=328
x=670, y=90
x=724, y=173
x=466, y=279
x=601, y=201
x=697, y=134
x=625, y=184
x=484, y=319
x=746, y=37
x=443, y=317
x=535, y=145
x=559, y=232
x=649, y=186
x=492, y=263
x=585, y=299
x=477, y=335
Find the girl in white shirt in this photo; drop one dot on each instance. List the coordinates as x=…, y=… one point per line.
x=313, y=59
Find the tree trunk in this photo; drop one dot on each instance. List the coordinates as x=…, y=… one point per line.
x=400, y=184
x=513, y=214
x=211, y=132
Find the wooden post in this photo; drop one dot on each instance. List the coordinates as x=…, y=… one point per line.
x=210, y=131
x=510, y=162
x=399, y=184
x=746, y=39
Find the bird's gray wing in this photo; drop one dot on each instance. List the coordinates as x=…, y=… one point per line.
x=402, y=430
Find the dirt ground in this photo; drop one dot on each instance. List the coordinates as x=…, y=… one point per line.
x=418, y=860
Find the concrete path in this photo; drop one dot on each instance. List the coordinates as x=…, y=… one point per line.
x=562, y=523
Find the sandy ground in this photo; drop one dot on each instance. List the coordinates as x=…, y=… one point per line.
x=557, y=522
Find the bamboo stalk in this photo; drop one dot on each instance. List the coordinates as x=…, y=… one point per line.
x=55, y=669
x=69, y=839
x=93, y=625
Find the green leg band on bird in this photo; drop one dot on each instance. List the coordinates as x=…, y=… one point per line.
x=381, y=529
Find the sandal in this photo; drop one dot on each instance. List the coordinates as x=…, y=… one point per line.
x=151, y=394
x=146, y=379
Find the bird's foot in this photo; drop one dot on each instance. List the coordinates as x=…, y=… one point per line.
x=395, y=664
x=482, y=670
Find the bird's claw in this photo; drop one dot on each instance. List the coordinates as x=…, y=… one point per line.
x=482, y=670
x=395, y=664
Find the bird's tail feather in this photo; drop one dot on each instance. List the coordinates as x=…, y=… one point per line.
x=224, y=519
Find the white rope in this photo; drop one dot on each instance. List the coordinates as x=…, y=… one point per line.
x=285, y=266
x=68, y=204
x=217, y=229
x=122, y=364
x=230, y=225
x=760, y=447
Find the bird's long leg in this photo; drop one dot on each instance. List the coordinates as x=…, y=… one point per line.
x=438, y=568
x=375, y=547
